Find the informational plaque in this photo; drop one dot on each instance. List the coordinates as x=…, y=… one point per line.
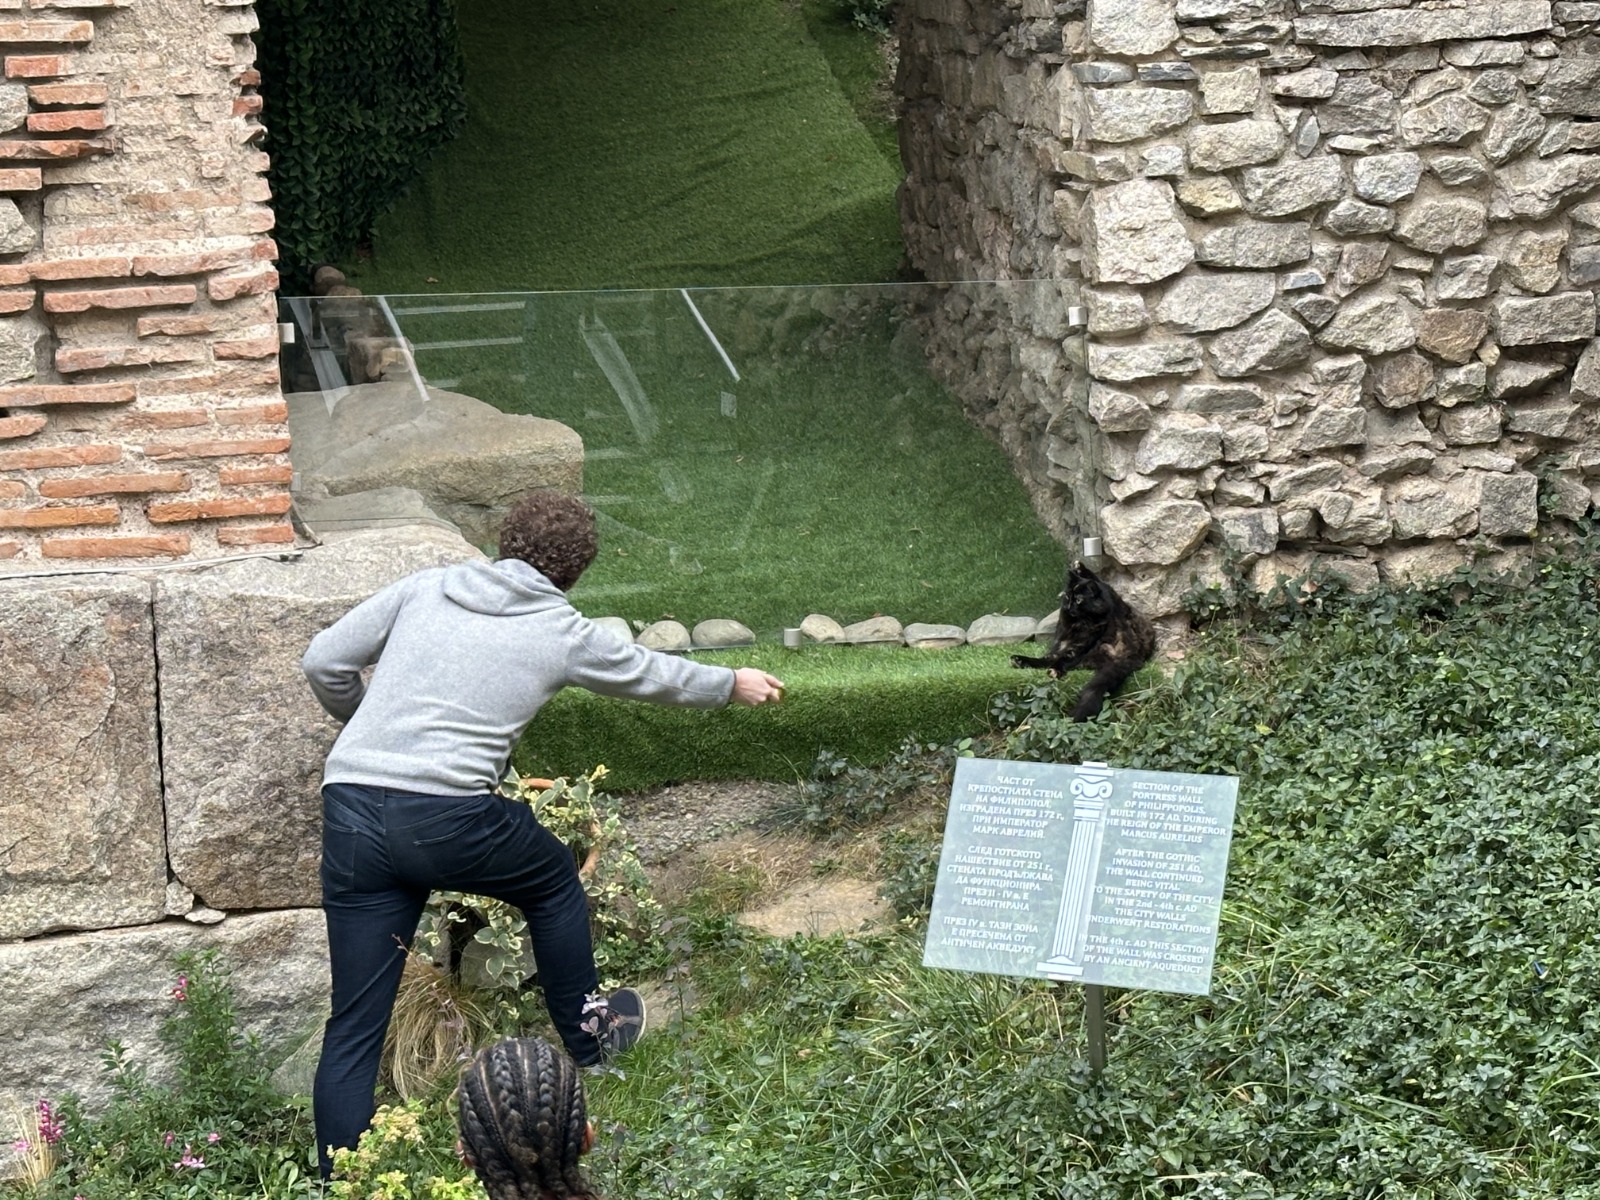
x=1085, y=873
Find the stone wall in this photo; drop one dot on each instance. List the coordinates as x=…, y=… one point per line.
x=140, y=412
x=160, y=763
x=1339, y=258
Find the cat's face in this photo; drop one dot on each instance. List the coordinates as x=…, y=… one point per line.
x=1084, y=595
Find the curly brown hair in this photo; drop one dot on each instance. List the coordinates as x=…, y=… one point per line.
x=553, y=533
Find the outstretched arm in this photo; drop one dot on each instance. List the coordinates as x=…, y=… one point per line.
x=336, y=656
x=752, y=687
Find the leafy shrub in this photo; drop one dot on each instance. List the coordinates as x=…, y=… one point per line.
x=401, y=1157
x=875, y=16
x=216, y=1130
x=357, y=94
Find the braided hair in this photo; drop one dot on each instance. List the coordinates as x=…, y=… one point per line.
x=523, y=1122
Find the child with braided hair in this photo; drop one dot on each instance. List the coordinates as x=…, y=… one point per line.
x=523, y=1122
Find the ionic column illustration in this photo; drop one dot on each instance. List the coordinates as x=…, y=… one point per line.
x=1090, y=790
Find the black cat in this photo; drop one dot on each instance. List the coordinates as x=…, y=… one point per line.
x=1098, y=632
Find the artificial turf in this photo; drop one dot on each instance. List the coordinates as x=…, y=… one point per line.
x=857, y=701
x=624, y=143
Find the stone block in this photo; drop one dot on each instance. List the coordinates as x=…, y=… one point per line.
x=1202, y=302
x=1133, y=234
x=1116, y=311
x=1515, y=378
x=1448, y=121
x=1153, y=533
x=1179, y=441
x=1387, y=178
x=1571, y=87
x=1451, y=333
x=1372, y=325
x=1270, y=343
x=1132, y=27
x=1403, y=380
x=1512, y=131
x=1458, y=170
x=1359, y=104
x=1412, y=27
x=243, y=740
x=1467, y=277
x=1536, y=188
x=1248, y=530
x=82, y=840
x=19, y=347
x=1419, y=565
x=1001, y=629
x=1509, y=505
x=1257, y=244
x=1117, y=412
x=1352, y=218
x=1209, y=196
x=1233, y=91
x=1549, y=418
x=1470, y=424
x=1536, y=320
x=1146, y=360
x=1533, y=260
x=1282, y=191
x=1423, y=508
x=1131, y=114
x=1234, y=144
x=66, y=997
x=468, y=459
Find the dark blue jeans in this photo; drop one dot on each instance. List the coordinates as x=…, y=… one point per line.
x=383, y=851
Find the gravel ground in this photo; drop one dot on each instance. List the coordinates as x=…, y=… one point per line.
x=664, y=822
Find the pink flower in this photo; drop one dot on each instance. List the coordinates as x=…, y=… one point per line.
x=51, y=1128
x=213, y=1138
x=168, y=1137
x=181, y=992
x=23, y=1146
x=189, y=1159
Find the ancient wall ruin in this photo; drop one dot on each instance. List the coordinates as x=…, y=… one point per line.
x=1339, y=258
x=140, y=413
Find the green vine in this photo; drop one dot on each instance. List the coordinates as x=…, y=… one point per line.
x=357, y=95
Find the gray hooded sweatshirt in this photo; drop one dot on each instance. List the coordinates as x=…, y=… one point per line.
x=466, y=655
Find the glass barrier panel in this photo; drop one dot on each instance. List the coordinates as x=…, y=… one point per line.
x=757, y=454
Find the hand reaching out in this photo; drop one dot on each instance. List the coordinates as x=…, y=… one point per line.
x=752, y=687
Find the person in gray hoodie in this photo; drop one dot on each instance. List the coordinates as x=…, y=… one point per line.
x=462, y=659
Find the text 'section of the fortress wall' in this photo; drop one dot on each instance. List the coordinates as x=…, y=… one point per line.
x=141, y=418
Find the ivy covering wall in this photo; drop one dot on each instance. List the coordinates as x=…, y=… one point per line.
x=358, y=94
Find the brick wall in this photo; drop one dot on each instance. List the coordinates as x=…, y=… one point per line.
x=141, y=418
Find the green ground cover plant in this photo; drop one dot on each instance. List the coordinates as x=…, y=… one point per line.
x=623, y=143
x=833, y=475
x=856, y=702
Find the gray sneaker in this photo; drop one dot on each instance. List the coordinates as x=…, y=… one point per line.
x=616, y=1021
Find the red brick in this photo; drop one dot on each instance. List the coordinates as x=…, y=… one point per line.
x=17, y=301
x=162, y=546
x=89, y=358
x=241, y=476
x=230, y=378
x=91, y=119
x=162, y=418
x=236, y=284
x=10, y=549
x=37, y=66
x=47, y=31
x=98, y=358
x=165, y=513
x=110, y=485
x=192, y=264
x=245, y=220
x=249, y=77
x=58, y=456
x=10, y=489
x=59, y=517
x=257, y=191
x=38, y=395
x=21, y=179
x=116, y=298
x=12, y=274
x=69, y=93
x=26, y=425
x=225, y=448
x=247, y=106
x=182, y=200
x=114, y=267
x=52, y=148
x=257, y=414
x=177, y=326
x=263, y=347
x=255, y=535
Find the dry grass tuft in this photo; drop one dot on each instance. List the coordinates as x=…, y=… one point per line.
x=32, y=1155
x=436, y=1027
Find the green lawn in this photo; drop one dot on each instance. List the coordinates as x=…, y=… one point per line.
x=856, y=701
x=624, y=143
